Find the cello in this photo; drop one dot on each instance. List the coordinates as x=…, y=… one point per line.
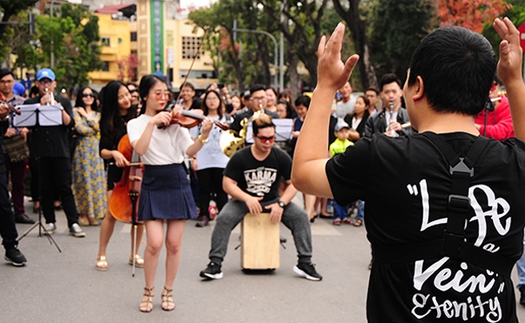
x=123, y=203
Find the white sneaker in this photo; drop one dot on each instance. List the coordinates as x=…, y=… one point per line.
x=76, y=231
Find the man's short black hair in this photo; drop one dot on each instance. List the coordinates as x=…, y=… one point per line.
x=457, y=66
x=257, y=87
x=372, y=88
x=387, y=79
x=5, y=71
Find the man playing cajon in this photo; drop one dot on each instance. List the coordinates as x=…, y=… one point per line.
x=252, y=177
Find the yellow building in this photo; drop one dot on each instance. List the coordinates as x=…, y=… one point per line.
x=163, y=46
x=116, y=45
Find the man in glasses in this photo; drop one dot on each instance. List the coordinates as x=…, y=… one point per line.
x=15, y=169
x=50, y=146
x=7, y=218
x=252, y=177
x=257, y=102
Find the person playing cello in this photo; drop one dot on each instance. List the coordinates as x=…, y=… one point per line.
x=116, y=112
x=165, y=194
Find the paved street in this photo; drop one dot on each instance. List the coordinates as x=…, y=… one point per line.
x=65, y=287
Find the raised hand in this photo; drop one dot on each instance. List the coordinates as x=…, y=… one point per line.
x=332, y=72
x=510, y=62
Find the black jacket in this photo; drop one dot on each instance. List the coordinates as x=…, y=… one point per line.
x=377, y=123
x=51, y=141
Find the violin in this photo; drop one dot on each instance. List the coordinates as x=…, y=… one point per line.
x=10, y=108
x=191, y=119
x=123, y=203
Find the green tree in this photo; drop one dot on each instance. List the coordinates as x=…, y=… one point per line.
x=73, y=37
x=244, y=60
x=11, y=23
x=356, y=16
x=11, y=8
x=301, y=24
x=398, y=27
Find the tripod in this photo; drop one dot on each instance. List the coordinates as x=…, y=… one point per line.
x=30, y=117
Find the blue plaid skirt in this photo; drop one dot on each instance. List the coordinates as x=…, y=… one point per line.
x=166, y=194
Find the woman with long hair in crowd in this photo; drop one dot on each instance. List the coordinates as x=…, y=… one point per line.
x=358, y=118
x=210, y=161
x=165, y=194
x=88, y=168
x=116, y=112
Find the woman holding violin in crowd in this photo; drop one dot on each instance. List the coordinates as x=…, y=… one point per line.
x=116, y=112
x=165, y=194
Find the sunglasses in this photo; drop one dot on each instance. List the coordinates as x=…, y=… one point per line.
x=266, y=139
x=493, y=87
x=162, y=95
x=86, y=95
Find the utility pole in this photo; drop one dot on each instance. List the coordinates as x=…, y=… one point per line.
x=52, y=63
x=274, y=42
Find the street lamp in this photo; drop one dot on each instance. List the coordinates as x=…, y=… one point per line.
x=276, y=84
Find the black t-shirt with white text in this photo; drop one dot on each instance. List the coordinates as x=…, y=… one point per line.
x=259, y=178
x=405, y=183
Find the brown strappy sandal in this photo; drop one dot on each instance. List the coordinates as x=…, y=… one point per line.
x=146, y=305
x=167, y=299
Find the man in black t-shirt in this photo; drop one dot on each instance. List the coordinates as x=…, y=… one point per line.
x=252, y=177
x=444, y=207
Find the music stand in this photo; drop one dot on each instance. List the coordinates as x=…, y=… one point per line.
x=283, y=130
x=32, y=115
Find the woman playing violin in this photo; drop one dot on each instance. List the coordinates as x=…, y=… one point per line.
x=116, y=112
x=165, y=193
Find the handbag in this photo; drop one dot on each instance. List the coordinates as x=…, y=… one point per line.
x=16, y=148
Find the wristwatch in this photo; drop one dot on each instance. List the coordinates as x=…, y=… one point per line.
x=203, y=141
x=281, y=204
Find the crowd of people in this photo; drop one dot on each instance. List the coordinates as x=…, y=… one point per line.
x=383, y=147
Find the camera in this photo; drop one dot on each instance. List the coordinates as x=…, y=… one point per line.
x=220, y=86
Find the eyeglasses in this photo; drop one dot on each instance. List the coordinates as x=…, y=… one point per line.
x=87, y=95
x=260, y=98
x=162, y=95
x=45, y=81
x=266, y=139
x=6, y=82
x=494, y=86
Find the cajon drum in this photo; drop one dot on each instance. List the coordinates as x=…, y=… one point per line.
x=259, y=242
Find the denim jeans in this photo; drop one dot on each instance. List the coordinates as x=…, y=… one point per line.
x=360, y=210
x=294, y=218
x=340, y=212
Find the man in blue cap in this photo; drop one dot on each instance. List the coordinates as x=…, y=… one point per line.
x=50, y=146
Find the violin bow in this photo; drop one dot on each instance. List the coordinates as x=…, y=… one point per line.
x=192, y=62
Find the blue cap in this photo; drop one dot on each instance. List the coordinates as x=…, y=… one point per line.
x=45, y=73
x=19, y=89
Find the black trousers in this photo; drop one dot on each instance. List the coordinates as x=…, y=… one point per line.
x=210, y=181
x=55, y=174
x=7, y=217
